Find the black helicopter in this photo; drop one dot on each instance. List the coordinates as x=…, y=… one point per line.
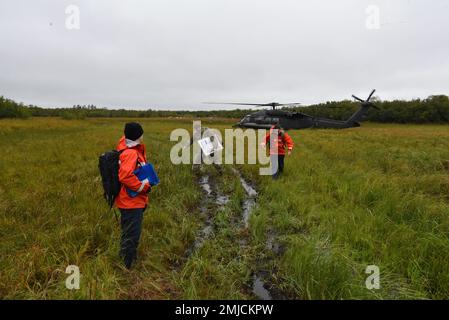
x=265, y=119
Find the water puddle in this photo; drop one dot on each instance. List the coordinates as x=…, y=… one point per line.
x=204, y=183
x=248, y=206
x=250, y=191
x=259, y=289
x=250, y=199
x=272, y=243
x=222, y=199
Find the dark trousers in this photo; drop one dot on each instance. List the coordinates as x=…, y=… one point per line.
x=131, y=221
x=280, y=165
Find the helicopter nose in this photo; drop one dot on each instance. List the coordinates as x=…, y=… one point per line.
x=237, y=124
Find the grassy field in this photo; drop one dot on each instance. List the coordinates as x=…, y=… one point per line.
x=375, y=195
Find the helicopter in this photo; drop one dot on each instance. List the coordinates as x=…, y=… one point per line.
x=265, y=119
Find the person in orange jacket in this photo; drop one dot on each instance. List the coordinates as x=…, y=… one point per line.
x=133, y=155
x=281, y=141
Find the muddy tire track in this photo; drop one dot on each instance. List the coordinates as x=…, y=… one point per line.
x=210, y=203
x=261, y=286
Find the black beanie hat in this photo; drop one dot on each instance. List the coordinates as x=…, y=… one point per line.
x=133, y=131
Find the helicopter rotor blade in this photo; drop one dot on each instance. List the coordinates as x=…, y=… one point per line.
x=357, y=98
x=371, y=94
x=238, y=104
x=290, y=104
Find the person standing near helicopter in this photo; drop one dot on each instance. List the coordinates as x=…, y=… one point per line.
x=281, y=141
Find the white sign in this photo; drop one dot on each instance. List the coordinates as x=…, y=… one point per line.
x=210, y=145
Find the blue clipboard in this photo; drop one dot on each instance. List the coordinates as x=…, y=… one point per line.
x=144, y=172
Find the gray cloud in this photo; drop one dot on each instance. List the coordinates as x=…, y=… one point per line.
x=174, y=54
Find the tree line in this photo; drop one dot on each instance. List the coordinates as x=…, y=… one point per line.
x=12, y=109
x=434, y=109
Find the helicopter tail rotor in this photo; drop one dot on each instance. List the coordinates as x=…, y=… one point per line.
x=359, y=115
x=367, y=102
x=371, y=94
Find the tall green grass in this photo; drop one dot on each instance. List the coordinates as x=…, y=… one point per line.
x=52, y=213
x=375, y=195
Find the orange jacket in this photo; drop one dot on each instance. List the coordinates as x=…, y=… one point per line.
x=281, y=142
x=130, y=159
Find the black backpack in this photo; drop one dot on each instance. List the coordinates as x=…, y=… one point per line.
x=109, y=165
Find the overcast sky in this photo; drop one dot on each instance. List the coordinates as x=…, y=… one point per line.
x=176, y=54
